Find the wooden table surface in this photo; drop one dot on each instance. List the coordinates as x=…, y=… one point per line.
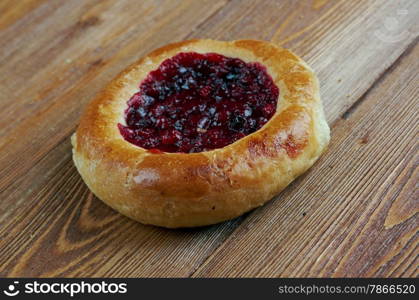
x=354, y=213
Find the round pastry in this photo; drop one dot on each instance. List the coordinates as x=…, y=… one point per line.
x=201, y=131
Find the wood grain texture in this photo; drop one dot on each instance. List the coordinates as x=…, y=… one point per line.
x=359, y=200
x=354, y=215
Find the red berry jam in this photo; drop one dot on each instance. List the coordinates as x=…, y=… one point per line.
x=197, y=102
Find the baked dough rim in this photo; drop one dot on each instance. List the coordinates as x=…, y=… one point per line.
x=187, y=190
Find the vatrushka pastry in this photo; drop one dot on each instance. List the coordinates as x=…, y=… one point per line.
x=201, y=131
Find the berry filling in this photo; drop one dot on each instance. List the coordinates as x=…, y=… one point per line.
x=197, y=102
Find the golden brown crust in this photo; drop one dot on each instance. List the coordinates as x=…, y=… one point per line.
x=184, y=190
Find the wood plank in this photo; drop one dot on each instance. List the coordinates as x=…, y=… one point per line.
x=42, y=215
x=355, y=213
x=47, y=211
x=338, y=39
x=63, y=107
x=88, y=37
x=11, y=10
x=60, y=235
x=48, y=105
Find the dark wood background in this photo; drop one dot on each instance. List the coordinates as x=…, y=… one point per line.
x=353, y=214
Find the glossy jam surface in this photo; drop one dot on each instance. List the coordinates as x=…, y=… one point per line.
x=198, y=102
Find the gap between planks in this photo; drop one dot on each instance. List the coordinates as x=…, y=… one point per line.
x=345, y=115
x=353, y=108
